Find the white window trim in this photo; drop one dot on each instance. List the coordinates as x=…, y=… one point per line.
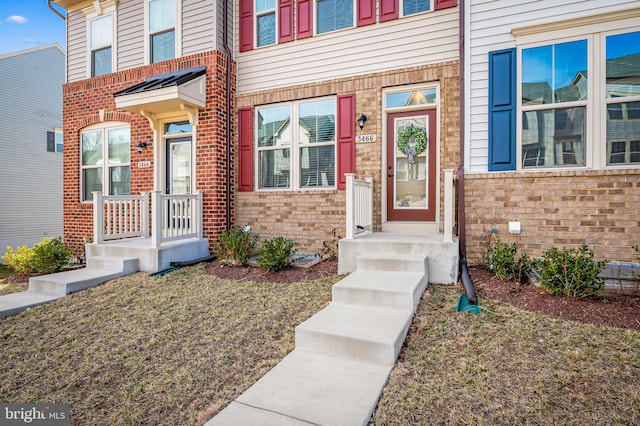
x=594, y=30
x=177, y=31
x=354, y=20
x=105, y=126
x=93, y=15
x=401, y=11
x=588, y=104
x=294, y=172
x=256, y=15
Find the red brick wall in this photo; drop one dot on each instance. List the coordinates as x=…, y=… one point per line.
x=91, y=101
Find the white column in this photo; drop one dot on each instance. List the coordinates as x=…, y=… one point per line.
x=98, y=218
x=448, y=206
x=350, y=205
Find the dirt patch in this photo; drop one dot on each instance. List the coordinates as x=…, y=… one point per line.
x=621, y=311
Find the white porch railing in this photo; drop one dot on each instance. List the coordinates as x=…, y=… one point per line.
x=120, y=216
x=359, y=205
x=449, y=206
x=174, y=217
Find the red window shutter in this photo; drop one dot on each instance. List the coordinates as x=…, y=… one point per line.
x=389, y=10
x=245, y=151
x=346, y=137
x=285, y=21
x=366, y=12
x=444, y=4
x=305, y=18
x=246, y=25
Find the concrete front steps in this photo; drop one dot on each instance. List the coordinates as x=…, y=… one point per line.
x=46, y=288
x=343, y=354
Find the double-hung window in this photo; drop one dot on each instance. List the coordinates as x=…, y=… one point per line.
x=411, y=7
x=622, y=98
x=333, y=15
x=554, y=103
x=100, y=43
x=296, y=145
x=265, y=22
x=162, y=30
x=105, y=160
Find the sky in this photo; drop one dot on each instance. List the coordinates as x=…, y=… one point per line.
x=25, y=24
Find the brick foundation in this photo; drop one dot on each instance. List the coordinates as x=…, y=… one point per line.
x=559, y=208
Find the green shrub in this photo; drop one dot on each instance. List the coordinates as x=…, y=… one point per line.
x=48, y=256
x=275, y=254
x=506, y=264
x=236, y=245
x=19, y=260
x=51, y=255
x=571, y=272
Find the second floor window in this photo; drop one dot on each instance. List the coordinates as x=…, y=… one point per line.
x=100, y=42
x=162, y=29
x=334, y=15
x=266, y=22
x=410, y=7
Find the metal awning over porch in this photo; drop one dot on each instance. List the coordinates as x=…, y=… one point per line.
x=181, y=90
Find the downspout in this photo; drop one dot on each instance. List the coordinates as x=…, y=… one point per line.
x=225, y=42
x=55, y=11
x=462, y=237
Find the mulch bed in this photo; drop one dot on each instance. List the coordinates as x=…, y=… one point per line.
x=615, y=310
x=621, y=311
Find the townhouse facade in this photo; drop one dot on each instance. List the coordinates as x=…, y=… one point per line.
x=552, y=140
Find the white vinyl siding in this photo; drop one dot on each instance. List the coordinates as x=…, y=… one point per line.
x=200, y=30
x=76, y=46
x=198, y=26
x=488, y=28
x=406, y=42
x=30, y=176
x=130, y=34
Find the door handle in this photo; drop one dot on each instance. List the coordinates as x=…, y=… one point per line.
x=389, y=175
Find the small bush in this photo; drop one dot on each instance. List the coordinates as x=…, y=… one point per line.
x=51, y=255
x=506, y=264
x=19, y=259
x=236, y=245
x=275, y=254
x=571, y=272
x=48, y=256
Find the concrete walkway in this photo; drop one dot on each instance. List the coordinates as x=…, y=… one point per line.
x=47, y=288
x=343, y=354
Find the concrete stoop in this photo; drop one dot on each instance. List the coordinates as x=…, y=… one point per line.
x=46, y=288
x=343, y=354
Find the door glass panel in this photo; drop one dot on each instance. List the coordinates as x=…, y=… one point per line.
x=411, y=144
x=180, y=168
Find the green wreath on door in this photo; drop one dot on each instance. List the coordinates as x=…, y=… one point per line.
x=420, y=136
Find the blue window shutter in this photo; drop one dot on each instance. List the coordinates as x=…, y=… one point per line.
x=502, y=110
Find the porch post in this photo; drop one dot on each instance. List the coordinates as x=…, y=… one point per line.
x=448, y=206
x=98, y=218
x=200, y=210
x=370, y=207
x=156, y=219
x=144, y=214
x=350, y=205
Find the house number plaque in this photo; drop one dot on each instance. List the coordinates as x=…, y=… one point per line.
x=365, y=138
x=144, y=164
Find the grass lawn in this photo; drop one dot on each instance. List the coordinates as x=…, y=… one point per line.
x=5, y=271
x=510, y=367
x=178, y=348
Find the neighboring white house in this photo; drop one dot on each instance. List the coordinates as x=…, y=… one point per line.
x=31, y=147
